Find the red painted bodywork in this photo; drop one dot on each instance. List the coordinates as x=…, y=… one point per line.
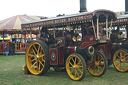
x=59, y=53
x=89, y=38
x=85, y=44
x=53, y=51
x=72, y=49
x=106, y=49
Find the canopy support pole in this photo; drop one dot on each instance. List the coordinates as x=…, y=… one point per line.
x=94, y=29
x=107, y=28
x=54, y=32
x=110, y=29
x=30, y=33
x=39, y=33
x=98, y=28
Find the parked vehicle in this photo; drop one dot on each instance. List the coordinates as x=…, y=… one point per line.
x=71, y=42
x=120, y=49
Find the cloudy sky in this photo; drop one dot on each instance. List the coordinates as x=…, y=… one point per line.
x=51, y=8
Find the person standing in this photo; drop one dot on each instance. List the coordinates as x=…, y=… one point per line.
x=11, y=48
x=6, y=50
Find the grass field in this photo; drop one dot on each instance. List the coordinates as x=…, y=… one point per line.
x=11, y=74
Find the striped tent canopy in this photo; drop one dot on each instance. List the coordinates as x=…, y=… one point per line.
x=13, y=24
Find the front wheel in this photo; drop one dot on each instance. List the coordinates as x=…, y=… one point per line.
x=120, y=60
x=76, y=66
x=98, y=65
x=37, y=60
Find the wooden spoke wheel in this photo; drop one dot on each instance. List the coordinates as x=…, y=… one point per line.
x=59, y=69
x=76, y=66
x=120, y=60
x=98, y=64
x=37, y=60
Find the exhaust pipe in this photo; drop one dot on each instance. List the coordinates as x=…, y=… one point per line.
x=126, y=12
x=126, y=6
x=83, y=6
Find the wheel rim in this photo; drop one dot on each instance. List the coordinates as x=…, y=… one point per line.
x=120, y=61
x=97, y=65
x=74, y=67
x=35, y=58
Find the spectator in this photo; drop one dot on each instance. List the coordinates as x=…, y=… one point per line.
x=29, y=40
x=11, y=48
x=6, y=49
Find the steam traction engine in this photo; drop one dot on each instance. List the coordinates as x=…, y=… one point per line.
x=70, y=42
x=119, y=42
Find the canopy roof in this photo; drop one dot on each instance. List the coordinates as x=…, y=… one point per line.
x=69, y=19
x=121, y=20
x=13, y=24
x=122, y=16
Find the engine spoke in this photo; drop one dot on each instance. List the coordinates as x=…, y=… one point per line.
x=32, y=60
x=33, y=64
x=38, y=49
x=31, y=55
x=35, y=47
x=41, y=63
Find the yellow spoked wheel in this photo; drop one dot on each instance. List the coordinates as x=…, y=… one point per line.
x=120, y=60
x=37, y=58
x=98, y=65
x=75, y=66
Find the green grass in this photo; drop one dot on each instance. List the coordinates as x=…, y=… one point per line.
x=11, y=74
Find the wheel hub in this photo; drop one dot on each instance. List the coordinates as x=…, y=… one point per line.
x=96, y=63
x=36, y=57
x=76, y=67
x=123, y=60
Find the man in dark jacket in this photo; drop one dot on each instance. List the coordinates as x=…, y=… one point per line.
x=11, y=48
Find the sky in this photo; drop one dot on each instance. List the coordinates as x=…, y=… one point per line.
x=51, y=8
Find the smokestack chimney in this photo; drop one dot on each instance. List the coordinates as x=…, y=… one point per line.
x=83, y=6
x=126, y=6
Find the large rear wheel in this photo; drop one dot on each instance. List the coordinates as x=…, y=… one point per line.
x=98, y=65
x=37, y=60
x=120, y=60
x=76, y=66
